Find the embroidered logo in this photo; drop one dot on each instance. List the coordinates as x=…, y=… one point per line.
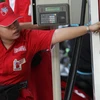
x=17, y=64
x=4, y=11
x=21, y=48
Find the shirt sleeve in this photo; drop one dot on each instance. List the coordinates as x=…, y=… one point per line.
x=40, y=39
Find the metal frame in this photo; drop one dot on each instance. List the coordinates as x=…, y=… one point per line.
x=75, y=58
x=56, y=73
x=95, y=47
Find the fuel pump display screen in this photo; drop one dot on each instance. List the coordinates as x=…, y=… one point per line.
x=53, y=14
x=52, y=9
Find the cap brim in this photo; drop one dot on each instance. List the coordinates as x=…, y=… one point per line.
x=9, y=20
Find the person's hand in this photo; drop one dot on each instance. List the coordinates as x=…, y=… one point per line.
x=95, y=27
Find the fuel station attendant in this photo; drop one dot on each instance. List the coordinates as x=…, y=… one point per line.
x=18, y=47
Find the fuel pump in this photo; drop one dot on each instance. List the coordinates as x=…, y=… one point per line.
x=53, y=13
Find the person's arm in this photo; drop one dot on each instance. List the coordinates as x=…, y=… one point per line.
x=29, y=25
x=73, y=32
x=63, y=34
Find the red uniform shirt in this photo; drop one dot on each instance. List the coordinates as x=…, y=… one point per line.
x=15, y=62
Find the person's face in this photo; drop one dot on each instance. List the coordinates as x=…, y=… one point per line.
x=11, y=32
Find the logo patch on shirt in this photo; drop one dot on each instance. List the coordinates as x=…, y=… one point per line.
x=17, y=64
x=21, y=48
